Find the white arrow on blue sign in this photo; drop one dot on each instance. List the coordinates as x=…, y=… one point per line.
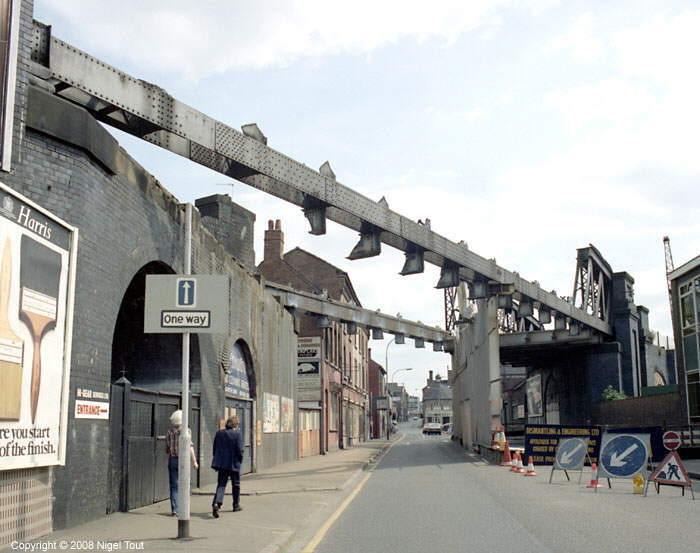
x=186, y=292
x=623, y=455
x=571, y=453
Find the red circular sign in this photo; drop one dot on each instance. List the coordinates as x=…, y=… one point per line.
x=671, y=440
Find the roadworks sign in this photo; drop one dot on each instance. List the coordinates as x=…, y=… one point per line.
x=671, y=472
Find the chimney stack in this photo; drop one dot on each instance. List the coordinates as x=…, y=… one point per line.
x=274, y=241
x=430, y=375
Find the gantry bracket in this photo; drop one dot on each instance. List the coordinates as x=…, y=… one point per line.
x=315, y=212
x=415, y=260
x=370, y=243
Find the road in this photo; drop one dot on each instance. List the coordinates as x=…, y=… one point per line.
x=427, y=496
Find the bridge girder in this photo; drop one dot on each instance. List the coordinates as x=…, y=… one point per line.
x=147, y=111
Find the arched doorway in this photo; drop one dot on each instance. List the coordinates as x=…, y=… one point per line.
x=239, y=392
x=146, y=376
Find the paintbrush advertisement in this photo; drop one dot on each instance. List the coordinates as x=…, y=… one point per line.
x=35, y=307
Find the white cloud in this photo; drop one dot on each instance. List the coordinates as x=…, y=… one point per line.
x=580, y=40
x=610, y=102
x=220, y=35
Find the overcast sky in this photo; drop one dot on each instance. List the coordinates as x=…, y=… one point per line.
x=526, y=128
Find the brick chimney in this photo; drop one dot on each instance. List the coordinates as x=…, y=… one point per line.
x=274, y=241
x=430, y=375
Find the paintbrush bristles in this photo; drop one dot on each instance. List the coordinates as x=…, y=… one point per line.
x=36, y=302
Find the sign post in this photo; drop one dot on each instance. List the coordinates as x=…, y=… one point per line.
x=182, y=304
x=183, y=484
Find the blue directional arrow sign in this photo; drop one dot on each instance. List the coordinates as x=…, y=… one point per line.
x=186, y=292
x=571, y=453
x=623, y=455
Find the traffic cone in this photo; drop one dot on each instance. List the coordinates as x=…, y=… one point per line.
x=514, y=464
x=530, y=467
x=520, y=469
x=594, y=477
x=507, y=459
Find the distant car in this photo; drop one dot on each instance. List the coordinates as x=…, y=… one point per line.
x=432, y=428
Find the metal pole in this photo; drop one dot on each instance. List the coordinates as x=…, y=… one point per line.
x=183, y=484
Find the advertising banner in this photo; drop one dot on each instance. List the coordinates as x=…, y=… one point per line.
x=37, y=253
x=309, y=368
x=542, y=440
x=271, y=413
x=534, y=396
x=287, y=418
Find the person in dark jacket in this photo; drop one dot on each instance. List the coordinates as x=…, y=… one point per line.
x=228, y=454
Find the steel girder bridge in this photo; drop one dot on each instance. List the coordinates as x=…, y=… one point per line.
x=147, y=111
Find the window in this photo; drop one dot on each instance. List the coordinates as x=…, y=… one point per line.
x=689, y=293
x=694, y=395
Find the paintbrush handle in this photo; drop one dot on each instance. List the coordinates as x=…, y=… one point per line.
x=36, y=375
x=37, y=324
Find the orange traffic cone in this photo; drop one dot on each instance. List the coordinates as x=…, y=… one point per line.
x=507, y=459
x=521, y=468
x=594, y=477
x=530, y=467
x=514, y=463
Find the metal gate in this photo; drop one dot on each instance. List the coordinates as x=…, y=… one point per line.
x=244, y=410
x=139, y=464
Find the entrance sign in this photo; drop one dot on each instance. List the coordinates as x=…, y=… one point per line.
x=671, y=472
x=671, y=440
x=195, y=303
x=624, y=455
x=37, y=282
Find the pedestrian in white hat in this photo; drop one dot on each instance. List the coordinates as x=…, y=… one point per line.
x=171, y=447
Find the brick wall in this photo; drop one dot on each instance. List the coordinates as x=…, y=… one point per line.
x=126, y=220
x=658, y=410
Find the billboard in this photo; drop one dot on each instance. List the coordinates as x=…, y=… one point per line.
x=287, y=417
x=271, y=413
x=309, y=368
x=542, y=441
x=534, y=396
x=37, y=277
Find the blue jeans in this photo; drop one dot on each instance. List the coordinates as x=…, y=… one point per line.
x=172, y=470
x=235, y=477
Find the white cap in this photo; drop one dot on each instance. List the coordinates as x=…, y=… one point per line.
x=176, y=418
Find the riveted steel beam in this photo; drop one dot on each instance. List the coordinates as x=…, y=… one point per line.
x=326, y=309
x=151, y=113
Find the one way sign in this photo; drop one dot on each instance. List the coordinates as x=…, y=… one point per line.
x=192, y=303
x=186, y=290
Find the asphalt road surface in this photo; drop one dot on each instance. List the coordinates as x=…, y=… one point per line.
x=427, y=496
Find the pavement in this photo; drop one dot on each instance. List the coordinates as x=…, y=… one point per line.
x=282, y=508
x=693, y=467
